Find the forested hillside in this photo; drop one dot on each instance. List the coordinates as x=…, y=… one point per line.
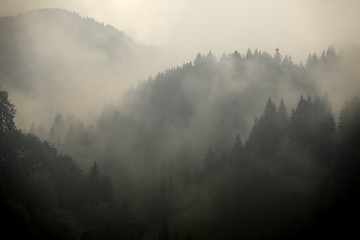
x=45, y=195
x=247, y=145
x=295, y=177
x=205, y=102
x=198, y=155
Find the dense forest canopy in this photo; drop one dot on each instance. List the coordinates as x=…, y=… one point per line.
x=185, y=107
x=244, y=146
x=295, y=176
x=45, y=195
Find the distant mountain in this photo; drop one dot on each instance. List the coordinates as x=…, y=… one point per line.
x=53, y=60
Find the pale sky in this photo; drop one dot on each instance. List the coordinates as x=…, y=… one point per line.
x=297, y=27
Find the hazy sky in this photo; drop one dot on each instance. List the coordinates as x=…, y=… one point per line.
x=297, y=27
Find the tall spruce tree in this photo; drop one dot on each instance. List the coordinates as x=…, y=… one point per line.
x=7, y=114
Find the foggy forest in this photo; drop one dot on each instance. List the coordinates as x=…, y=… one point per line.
x=105, y=136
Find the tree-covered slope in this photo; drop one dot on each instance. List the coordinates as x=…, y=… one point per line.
x=203, y=102
x=45, y=195
x=156, y=145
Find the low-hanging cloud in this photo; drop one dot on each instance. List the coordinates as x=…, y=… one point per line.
x=297, y=26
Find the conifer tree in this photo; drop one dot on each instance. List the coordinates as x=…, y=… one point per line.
x=94, y=172
x=7, y=114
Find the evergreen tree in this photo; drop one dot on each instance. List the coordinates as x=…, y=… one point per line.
x=237, y=147
x=282, y=125
x=270, y=109
x=313, y=129
x=7, y=114
x=277, y=55
x=349, y=136
x=282, y=112
x=57, y=131
x=249, y=54
x=342, y=188
x=94, y=172
x=264, y=137
x=236, y=151
x=98, y=187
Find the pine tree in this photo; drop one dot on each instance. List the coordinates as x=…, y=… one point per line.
x=313, y=129
x=277, y=55
x=7, y=114
x=282, y=122
x=282, y=112
x=249, y=54
x=269, y=131
x=348, y=116
x=237, y=149
x=94, y=172
x=270, y=109
x=57, y=131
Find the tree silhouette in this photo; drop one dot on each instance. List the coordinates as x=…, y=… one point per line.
x=313, y=128
x=265, y=136
x=7, y=114
x=277, y=55
x=236, y=151
x=94, y=172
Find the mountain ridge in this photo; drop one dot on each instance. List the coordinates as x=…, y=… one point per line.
x=52, y=55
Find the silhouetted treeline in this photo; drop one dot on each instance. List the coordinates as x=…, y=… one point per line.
x=295, y=177
x=186, y=158
x=174, y=150
x=187, y=105
x=44, y=195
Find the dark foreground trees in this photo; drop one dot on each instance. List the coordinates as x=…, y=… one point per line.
x=296, y=177
x=45, y=195
x=7, y=114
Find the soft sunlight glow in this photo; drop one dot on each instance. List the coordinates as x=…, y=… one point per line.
x=188, y=26
x=220, y=26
